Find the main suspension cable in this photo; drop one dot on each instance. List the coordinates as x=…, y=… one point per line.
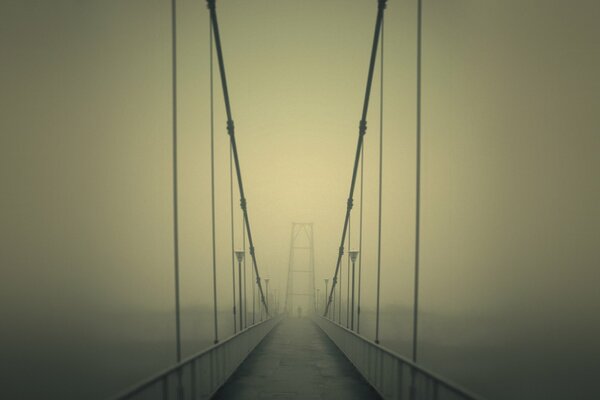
x=231, y=132
x=361, y=133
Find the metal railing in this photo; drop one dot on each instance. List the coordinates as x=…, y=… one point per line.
x=393, y=376
x=200, y=376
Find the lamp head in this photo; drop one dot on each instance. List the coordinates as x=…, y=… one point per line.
x=239, y=255
x=353, y=255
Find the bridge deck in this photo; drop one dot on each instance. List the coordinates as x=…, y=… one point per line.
x=296, y=361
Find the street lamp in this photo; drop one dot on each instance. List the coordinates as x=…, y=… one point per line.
x=240, y=257
x=267, y=283
x=326, y=291
x=353, y=256
x=253, y=297
x=339, y=289
x=317, y=304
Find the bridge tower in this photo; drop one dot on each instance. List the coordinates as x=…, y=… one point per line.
x=300, y=293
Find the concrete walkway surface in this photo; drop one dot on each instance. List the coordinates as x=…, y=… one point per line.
x=296, y=361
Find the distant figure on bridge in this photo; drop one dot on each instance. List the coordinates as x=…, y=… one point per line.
x=299, y=312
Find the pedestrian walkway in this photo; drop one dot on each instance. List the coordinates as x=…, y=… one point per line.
x=296, y=361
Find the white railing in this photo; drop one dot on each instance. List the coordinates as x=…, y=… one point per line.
x=393, y=376
x=202, y=375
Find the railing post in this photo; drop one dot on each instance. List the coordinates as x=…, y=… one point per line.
x=387, y=371
x=413, y=386
x=400, y=375
x=165, y=388
x=193, y=379
x=179, y=384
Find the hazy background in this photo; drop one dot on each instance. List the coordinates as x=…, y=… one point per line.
x=510, y=193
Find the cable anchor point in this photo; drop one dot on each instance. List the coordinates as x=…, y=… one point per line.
x=230, y=127
x=362, y=127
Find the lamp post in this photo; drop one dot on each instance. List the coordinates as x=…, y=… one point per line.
x=233, y=291
x=326, y=290
x=253, y=297
x=348, y=295
x=317, y=303
x=267, y=283
x=240, y=258
x=339, y=288
x=353, y=255
x=358, y=294
x=245, y=297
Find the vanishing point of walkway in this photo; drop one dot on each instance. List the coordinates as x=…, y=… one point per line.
x=296, y=361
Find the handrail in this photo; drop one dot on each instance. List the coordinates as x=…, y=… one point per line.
x=164, y=374
x=439, y=380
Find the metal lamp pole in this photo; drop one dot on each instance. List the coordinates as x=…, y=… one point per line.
x=245, y=297
x=348, y=295
x=353, y=255
x=240, y=258
x=267, y=283
x=253, y=297
x=326, y=290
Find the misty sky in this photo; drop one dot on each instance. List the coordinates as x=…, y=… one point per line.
x=510, y=136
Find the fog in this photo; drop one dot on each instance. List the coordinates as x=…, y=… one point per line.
x=509, y=215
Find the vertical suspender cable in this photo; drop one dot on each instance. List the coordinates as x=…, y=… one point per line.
x=212, y=187
x=332, y=308
x=288, y=305
x=232, y=237
x=380, y=189
x=362, y=130
x=241, y=306
x=418, y=183
x=253, y=299
x=175, y=200
x=340, y=296
x=312, y=263
x=360, y=235
x=245, y=311
x=348, y=274
x=245, y=290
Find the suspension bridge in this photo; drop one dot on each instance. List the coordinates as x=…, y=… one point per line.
x=303, y=349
